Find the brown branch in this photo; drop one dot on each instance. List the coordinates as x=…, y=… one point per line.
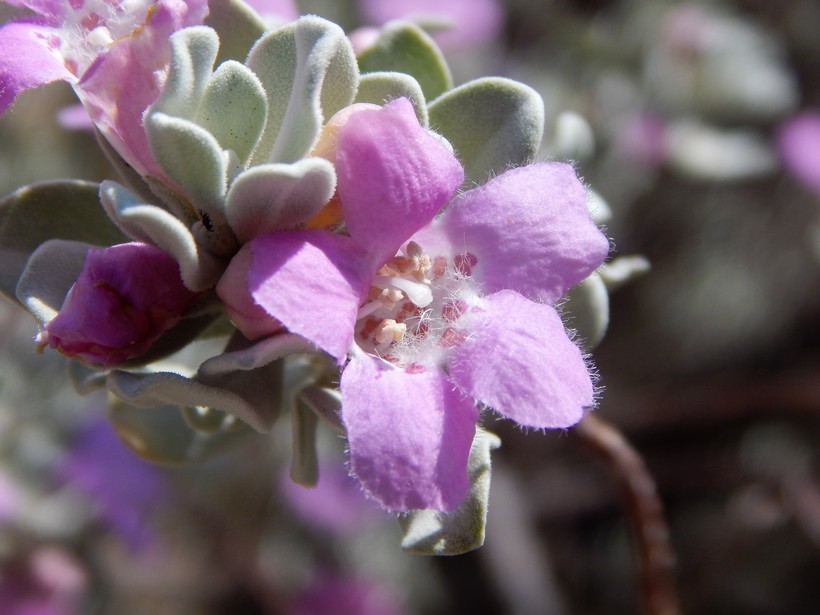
x=645, y=511
x=793, y=392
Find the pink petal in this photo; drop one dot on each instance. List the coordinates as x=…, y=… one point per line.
x=799, y=145
x=409, y=435
x=518, y=360
x=530, y=231
x=393, y=176
x=27, y=61
x=312, y=282
x=124, y=81
x=245, y=314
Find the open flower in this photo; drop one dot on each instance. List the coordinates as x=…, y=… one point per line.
x=433, y=315
x=125, y=298
x=114, y=53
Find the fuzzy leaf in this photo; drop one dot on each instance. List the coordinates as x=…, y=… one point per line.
x=304, y=465
x=192, y=158
x=150, y=224
x=430, y=532
x=622, y=270
x=49, y=275
x=493, y=124
x=309, y=72
x=84, y=379
x=162, y=435
x=52, y=210
x=382, y=87
x=233, y=108
x=193, y=52
x=587, y=310
x=272, y=197
x=243, y=355
x=237, y=25
x=405, y=48
x=325, y=403
x=252, y=396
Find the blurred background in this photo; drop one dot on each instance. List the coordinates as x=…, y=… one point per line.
x=698, y=124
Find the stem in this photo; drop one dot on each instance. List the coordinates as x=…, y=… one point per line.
x=645, y=510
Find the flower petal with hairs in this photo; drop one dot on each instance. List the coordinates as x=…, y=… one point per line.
x=115, y=55
x=453, y=311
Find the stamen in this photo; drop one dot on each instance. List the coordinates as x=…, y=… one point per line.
x=390, y=331
x=414, y=308
x=418, y=293
x=390, y=297
x=368, y=308
x=387, y=299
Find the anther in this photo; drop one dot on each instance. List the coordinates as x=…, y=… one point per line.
x=390, y=331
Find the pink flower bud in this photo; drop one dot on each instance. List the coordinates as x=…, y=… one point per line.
x=125, y=298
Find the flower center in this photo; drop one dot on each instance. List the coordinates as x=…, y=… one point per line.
x=414, y=309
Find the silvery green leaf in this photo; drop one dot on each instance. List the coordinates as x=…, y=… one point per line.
x=234, y=108
x=161, y=434
x=49, y=275
x=244, y=355
x=309, y=72
x=325, y=403
x=271, y=197
x=252, y=396
x=493, y=124
x=707, y=153
x=51, y=210
x=599, y=209
x=169, y=198
x=622, y=270
x=382, y=87
x=430, y=532
x=304, y=466
x=405, y=48
x=116, y=200
x=587, y=310
x=192, y=158
x=572, y=138
x=237, y=25
x=85, y=379
x=193, y=52
x=199, y=268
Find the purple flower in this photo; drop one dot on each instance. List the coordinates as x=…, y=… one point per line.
x=471, y=22
x=122, y=487
x=799, y=145
x=114, y=53
x=125, y=298
x=433, y=314
x=335, y=504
